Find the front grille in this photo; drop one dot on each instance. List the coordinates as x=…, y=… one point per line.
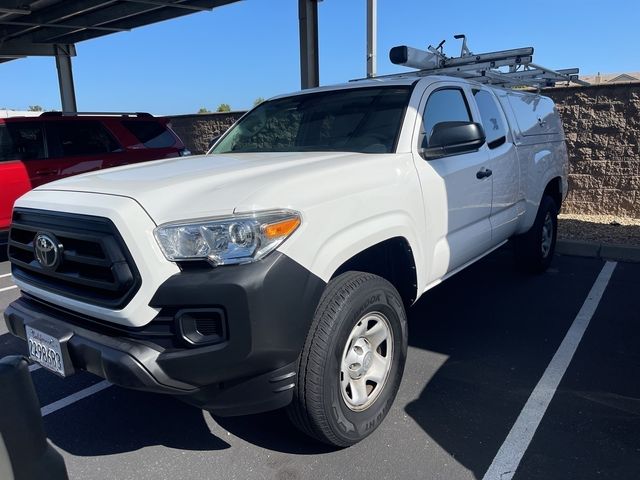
x=95, y=266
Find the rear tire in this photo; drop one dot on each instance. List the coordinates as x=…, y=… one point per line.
x=534, y=249
x=352, y=363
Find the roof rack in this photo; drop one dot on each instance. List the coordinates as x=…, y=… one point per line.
x=111, y=114
x=508, y=68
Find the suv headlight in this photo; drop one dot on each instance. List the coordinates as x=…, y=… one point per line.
x=242, y=238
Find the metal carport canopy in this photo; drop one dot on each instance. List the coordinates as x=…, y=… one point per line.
x=53, y=27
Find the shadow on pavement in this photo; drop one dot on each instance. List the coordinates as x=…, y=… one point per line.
x=499, y=329
x=118, y=420
x=274, y=431
x=614, y=234
x=10, y=345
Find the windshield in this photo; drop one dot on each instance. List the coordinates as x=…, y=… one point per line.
x=363, y=120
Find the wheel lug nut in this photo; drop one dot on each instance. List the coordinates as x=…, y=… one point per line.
x=358, y=349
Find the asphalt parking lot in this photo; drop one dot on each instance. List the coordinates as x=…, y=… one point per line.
x=480, y=343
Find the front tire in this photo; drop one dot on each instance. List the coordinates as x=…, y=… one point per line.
x=352, y=362
x=534, y=249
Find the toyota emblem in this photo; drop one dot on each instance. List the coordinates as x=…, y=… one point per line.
x=47, y=250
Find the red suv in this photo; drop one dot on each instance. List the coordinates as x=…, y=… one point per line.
x=37, y=150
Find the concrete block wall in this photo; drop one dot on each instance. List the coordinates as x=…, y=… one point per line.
x=197, y=130
x=602, y=126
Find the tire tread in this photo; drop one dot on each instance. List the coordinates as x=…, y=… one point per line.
x=306, y=411
x=527, y=246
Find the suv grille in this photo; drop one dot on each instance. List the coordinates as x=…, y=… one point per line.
x=94, y=265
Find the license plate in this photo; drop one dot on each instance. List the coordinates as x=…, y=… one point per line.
x=45, y=350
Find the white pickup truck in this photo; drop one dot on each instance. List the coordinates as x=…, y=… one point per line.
x=276, y=270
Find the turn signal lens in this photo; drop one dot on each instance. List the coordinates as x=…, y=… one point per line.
x=281, y=229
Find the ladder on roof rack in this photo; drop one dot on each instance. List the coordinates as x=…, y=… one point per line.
x=508, y=68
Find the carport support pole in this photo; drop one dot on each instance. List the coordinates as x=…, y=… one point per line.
x=65, y=79
x=308, y=21
x=372, y=37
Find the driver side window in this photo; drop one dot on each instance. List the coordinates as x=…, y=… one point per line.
x=445, y=105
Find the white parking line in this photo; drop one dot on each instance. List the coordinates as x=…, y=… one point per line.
x=508, y=458
x=4, y=275
x=5, y=289
x=66, y=401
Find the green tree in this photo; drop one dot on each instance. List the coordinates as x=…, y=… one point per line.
x=223, y=107
x=204, y=110
x=258, y=101
x=35, y=108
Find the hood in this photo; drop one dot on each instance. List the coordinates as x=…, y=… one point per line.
x=205, y=185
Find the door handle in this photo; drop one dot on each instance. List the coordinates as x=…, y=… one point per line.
x=483, y=173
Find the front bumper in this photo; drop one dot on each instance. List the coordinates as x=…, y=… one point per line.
x=120, y=360
x=268, y=309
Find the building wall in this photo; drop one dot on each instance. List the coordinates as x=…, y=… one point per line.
x=602, y=126
x=197, y=130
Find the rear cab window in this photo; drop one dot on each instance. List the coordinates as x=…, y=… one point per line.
x=150, y=134
x=534, y=114
x=492, y=118
x=21, y=141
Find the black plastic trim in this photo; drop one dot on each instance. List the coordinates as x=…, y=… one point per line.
x=161, y=331
x=497, y=142
x=412, y=88
x=268, y=305
x=189, y=328
x=122, y=361
x=114, y=257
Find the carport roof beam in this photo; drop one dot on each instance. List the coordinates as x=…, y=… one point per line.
x=15, y=11
x=94, y=18
x=62, y=25
x=15, y=49
x=162, y=3
x=55, y=13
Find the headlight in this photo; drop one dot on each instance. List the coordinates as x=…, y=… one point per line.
x=227, y=240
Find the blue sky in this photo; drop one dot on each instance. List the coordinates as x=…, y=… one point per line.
x=249, y=49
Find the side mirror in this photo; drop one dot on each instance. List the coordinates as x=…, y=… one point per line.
x=450, y=138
